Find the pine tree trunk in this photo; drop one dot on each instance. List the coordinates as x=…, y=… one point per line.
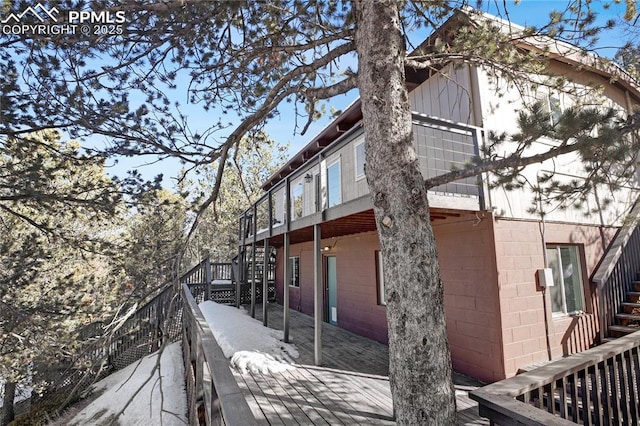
x=8, y=413
x=419, y=357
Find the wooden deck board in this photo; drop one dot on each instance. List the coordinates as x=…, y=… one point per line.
x=351, y=399
x=254, y=405
x=295, y=415
x=296, y=380
x=268, y=412
x=338, y=407
x=351, y=387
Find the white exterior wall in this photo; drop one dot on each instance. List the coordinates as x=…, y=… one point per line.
x=499, y=114
x=447, y=96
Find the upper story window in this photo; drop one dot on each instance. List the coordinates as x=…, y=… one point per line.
x=552, y=105
x=297, y=206
x=567, y=293
x=334, y=190
x=359, y=157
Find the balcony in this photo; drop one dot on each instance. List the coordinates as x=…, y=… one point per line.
x=318, y=191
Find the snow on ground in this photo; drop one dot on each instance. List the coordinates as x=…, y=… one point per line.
x=147, y=408
x=250, y=345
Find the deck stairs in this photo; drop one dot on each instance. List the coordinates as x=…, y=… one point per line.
x=628, y=320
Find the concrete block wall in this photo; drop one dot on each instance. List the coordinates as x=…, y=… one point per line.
x=519, y=253
x=468, y=269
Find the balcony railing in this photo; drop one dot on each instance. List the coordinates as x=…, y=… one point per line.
x=599, y=386
x=213, y=394
x=441, y=146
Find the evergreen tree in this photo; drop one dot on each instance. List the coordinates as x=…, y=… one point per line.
x=154, y=239
x=56, y=211
x=253, y=161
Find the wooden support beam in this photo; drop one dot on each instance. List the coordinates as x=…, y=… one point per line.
x=240, y=261
x=265, y=281
x=317, y=290
x=253, y=280
x=253, y=261
x=287, y=279
x=207, y=278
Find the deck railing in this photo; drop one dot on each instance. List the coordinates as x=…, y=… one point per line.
x=215, y=281
x=440, y=146
x=213, y=394
x=620, y=267
x=599, y=386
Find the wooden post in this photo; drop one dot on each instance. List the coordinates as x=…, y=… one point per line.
x=270, y=213
x=265, y=281
x=240, y=262
x=286, y=271
x=253, y=280
x=253, y=261
x=287, y=279
x=317, y=290
x=207, y=278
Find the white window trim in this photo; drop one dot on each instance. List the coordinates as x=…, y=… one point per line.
x=355, y=160
x=298, y=183
x=329, y=165
x=565, y=312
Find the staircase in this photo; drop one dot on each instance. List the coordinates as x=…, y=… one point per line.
x=617, y=279
x=627, y=321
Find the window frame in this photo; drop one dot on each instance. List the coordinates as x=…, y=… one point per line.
x=294, y=271
x=356, y=145
x=299, y=185
x=339, y=201
x=553, y=105
x=581, y=298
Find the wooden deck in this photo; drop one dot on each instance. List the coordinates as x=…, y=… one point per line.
x=352, y=386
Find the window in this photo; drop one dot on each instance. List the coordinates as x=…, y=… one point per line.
x=296, y=201
x=555, y=109
x=294, y=270
x=567, y=294
x=334, y=192
x=359, y=154
x=551, y=105
x=382, y=300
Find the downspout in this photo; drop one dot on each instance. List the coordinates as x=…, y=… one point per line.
x=546, y=262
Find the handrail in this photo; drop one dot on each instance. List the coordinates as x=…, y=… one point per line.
x=614, y=275
x=616, y=248
x=210, y=383
x=599, y=383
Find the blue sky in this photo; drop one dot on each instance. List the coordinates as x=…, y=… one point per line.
x=281, y=128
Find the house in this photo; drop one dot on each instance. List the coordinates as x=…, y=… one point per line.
x=316, y=215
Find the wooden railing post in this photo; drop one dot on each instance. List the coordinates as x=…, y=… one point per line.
x=215, y=389
x=265, y=280
x=207, y=278
x=599, y=384
x=253, y=261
